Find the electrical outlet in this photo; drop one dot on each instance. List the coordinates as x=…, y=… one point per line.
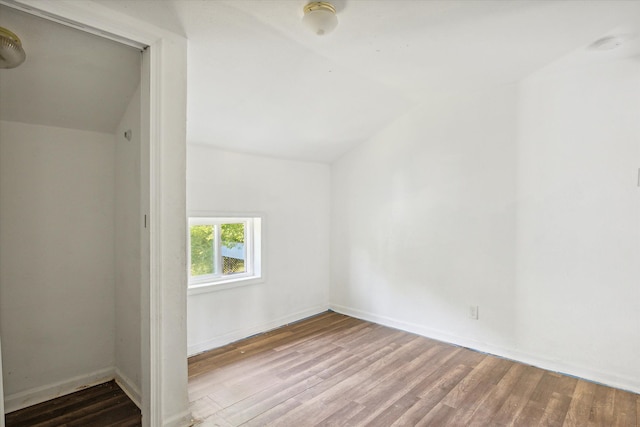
x=473, y=312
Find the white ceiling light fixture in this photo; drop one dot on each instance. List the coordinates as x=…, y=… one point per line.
x=320, y=17
x=11, y=51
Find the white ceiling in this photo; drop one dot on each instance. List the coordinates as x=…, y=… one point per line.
x=70, y=78
x=260, y=82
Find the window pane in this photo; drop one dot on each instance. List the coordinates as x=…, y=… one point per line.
x=232, y=248
x=202, y=253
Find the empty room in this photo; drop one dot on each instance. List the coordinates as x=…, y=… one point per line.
x=364, y=213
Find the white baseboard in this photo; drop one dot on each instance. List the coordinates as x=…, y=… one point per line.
x=16, y=401
x=587, y=373
x=182, y=419
x=129, y=387
x=239, y=334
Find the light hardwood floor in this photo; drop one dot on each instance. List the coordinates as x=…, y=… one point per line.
x=334, y=370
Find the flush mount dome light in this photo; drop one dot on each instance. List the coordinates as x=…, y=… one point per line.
x=320, y=17
x=11, y=51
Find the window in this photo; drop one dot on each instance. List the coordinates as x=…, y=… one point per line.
x=223, y=250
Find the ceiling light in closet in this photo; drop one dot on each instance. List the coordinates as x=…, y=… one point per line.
x=11, y=51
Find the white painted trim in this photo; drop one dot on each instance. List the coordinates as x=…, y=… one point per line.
x=183, y=419
x=96, y=17
x=206, y=288
x=128, y=386
x=154, y=222
x=1, y=392
x=258, y=329
x=41, y=394
x=605, y=378
x=73, y=24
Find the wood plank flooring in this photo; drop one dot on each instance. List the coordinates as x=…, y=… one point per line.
x=99, y=406
x=334, y=370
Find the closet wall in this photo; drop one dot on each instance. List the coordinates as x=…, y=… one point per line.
x=69, y=260
x=56, y=257
x=128, y=223
x=69, y=243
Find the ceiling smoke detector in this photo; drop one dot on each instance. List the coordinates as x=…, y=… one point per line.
x=320, y=17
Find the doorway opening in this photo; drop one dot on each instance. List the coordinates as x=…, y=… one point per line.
x=74, y=192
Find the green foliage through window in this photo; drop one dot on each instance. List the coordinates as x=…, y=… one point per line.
x=203, y=247
x=232, y=235
x=202, y=239
x=224, y=250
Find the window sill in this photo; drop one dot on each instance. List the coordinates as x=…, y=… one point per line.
x=201, y=288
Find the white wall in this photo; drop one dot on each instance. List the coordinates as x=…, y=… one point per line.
x=423, y=222
x=128, y=222
x=578, y=245
x=294, y=199
x=522, y=200
x=56, y=259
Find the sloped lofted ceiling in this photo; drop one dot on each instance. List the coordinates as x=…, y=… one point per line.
x=260, y=82
x=70, y=78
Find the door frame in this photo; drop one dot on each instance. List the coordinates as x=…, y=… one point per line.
x=1, y=391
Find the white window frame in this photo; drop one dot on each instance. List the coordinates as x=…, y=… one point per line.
x=252, y=248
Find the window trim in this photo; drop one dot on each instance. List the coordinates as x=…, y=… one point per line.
x=254, y=224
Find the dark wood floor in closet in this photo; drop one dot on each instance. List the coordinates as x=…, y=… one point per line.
x=334, y=370
x=103, y=405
